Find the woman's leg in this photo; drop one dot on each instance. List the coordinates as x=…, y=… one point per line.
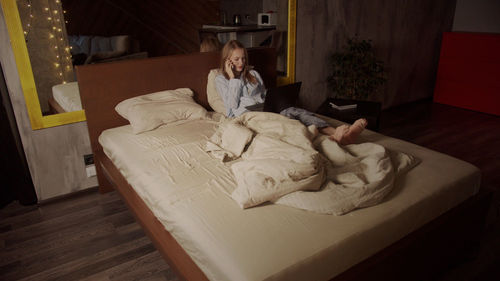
x=305, y=117
x=343, y=134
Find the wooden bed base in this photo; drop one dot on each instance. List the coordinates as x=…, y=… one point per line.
x=55, y=107
x=418, y=256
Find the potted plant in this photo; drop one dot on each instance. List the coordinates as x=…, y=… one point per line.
x=356, y=72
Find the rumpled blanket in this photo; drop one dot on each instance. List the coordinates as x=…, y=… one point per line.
x=279, y=160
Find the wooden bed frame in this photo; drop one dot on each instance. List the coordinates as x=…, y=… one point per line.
x=445, y=240
x=55, y=107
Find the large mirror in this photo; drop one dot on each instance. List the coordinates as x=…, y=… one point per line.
x=42, y=22
x=18, y=41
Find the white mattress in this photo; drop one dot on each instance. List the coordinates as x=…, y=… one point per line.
x=184, y=187
x=67, y=96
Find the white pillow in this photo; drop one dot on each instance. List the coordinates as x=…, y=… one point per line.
x=148, y=112
x=214, y=99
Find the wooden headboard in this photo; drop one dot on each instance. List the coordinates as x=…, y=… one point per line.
x=103, y=86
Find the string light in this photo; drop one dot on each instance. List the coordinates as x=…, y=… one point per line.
x=53, y=13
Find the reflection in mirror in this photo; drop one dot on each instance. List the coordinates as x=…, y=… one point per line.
x=263, y=23
x=52, y=33
x=279, y=40
x=49, y=53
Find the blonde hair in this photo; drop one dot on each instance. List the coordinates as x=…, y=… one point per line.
x=210, y=44
x=227, y=51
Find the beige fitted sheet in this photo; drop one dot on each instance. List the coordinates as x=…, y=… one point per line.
x=184, y=186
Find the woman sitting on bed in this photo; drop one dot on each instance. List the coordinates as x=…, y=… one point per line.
x=240, y=87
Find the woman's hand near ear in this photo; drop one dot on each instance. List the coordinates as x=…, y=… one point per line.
x=228, y=67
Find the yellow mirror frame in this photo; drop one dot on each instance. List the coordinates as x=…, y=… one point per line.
x=291, y=39
x=39, y=121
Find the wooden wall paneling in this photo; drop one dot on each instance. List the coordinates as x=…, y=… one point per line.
x=54, y=155
x=406, y=36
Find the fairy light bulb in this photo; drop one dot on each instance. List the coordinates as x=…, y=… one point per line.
x=53, y=13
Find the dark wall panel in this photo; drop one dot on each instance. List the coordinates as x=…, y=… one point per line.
x=406, y=35
x=163, y=27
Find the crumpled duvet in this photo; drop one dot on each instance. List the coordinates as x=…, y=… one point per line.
x=277, y=159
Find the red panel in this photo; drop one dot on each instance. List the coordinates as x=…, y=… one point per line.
x=469, y=71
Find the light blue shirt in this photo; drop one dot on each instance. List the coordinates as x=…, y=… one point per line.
x=237, y=94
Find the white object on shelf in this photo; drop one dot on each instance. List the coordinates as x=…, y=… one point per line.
x=221, y=26
x=343, y=107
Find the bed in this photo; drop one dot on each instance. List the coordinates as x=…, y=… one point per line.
x=433, y=216
x=65, y=98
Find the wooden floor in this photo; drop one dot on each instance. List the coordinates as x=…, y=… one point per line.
x=467, y=135
x=90, y=236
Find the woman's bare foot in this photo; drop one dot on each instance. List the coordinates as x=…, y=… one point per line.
x=354, y=131
x=335, y=134
x=345, y=134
